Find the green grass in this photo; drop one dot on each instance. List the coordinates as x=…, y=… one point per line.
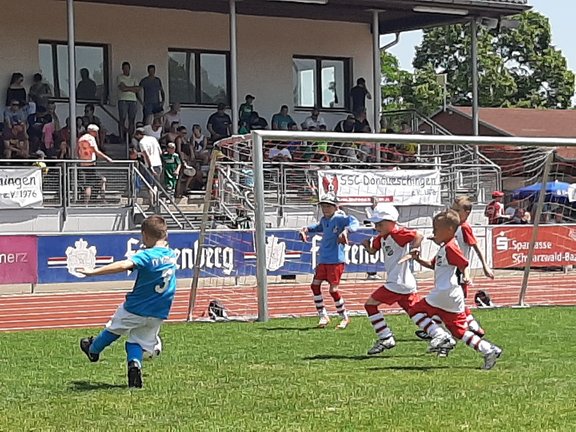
x=286, y=376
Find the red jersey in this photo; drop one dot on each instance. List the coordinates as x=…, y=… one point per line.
x=396, y=244
x=447, y=294
x=465, y=238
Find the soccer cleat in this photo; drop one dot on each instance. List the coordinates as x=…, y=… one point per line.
x=423, y=335
x=491, y=358
x=134, y=375
x=324, y=321
x=442, y=344
x=373, y=277
x=343, y=324
x=85, y=345
x=382, y=345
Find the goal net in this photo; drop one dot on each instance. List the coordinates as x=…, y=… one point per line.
x=420, y=177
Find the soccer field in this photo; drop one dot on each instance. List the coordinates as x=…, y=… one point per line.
x=286, y=375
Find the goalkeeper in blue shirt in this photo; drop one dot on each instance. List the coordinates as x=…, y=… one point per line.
x=333, y=227
x=146, y=306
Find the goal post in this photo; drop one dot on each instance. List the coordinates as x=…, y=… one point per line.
x=259, y=137
x=266, y=186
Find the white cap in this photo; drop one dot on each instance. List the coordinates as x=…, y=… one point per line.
x=40, y=153
x=93, y=128
x=384, y=212
x=328, y=199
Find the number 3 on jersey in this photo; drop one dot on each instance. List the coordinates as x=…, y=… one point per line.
x=166, y=276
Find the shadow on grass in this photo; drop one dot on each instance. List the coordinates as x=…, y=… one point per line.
x=93, y=386
x=409, y=368
x=297, y=329
x=416, y=368
x=355, y=357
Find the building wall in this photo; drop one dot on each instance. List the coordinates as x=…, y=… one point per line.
x=142, y=36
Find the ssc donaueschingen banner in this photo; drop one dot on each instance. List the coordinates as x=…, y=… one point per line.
x=399, y=187
x=20, y=187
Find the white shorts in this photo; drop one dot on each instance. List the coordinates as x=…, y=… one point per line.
x=140, y=330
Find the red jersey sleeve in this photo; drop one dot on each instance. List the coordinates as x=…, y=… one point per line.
x=454, y=255
x=377, y=242
x=403, y=236
x=468, y=234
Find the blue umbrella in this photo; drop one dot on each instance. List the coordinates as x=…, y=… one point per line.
x=554, y=190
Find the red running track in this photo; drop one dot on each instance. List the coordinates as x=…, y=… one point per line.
x=93, y=309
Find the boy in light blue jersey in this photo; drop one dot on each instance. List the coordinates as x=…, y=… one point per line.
x=146, y=306
x=334, y=227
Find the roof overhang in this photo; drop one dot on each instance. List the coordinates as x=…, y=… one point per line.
x=395, y=16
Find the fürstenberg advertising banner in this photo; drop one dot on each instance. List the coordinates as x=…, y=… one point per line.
x=400, y=187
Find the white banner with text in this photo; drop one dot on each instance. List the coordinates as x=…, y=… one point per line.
x=399, y=187
x=20, y=187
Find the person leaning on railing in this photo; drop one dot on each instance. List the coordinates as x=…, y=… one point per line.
x=88, y=151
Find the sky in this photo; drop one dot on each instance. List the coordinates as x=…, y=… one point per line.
x=560, y=12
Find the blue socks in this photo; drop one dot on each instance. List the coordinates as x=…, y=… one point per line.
x=134, y=352
x=104, y=339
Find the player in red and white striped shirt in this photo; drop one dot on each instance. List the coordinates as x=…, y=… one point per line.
x=400, y=287
x=467, y=241
x=446, y=300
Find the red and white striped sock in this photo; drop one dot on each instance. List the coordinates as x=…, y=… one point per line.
x=339, y=302
x=378, y=322
x=429, y=326
x=476, y=343
x=473, y=325
x=318, y=299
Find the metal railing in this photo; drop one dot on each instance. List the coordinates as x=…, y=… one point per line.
x=160, y=200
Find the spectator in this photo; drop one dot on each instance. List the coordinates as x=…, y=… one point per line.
x=51, y=109
x=510, y=211
x=361, y=122
x=495, y=209
x=63, y=141
x=36, y=124
x=88, y=152
x=200, y=145
x=256, y=122
x=86, y=88
x=154, y=129
x=281, y=120
x=279, y=153
x=172, y=166
x=91, y=118
x=183, y=147
x=358, y=94
x=246, y=109
x=520, y=216
x=151, y=152
x=154, y=96
x=40, y=91
x=219, y=124
x=16, y=144
x=173, y=115
x=14, y=114
x=128, y=91
x=16, y=91
x=346, y=125
x=171, y=135
x=313, y=120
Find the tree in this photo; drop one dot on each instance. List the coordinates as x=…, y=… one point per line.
x=404, y=90
x=517, y=67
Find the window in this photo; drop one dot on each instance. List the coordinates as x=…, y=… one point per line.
x=198, y=77
x=91, y=69
x=321, y=82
